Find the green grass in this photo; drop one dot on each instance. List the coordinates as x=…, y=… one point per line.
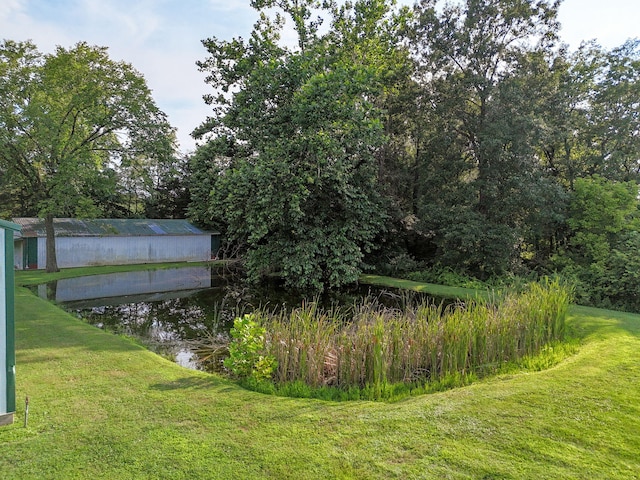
x=429, y=288
x=103, y=407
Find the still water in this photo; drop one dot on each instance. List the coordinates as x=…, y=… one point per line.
x=173, y=311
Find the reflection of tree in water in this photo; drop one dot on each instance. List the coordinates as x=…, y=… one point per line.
x=170, y=327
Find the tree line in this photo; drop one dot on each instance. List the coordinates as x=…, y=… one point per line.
x=463, y=136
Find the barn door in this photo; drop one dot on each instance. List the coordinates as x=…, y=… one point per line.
x=30, y=253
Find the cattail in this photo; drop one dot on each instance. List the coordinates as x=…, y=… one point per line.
x=371, y=346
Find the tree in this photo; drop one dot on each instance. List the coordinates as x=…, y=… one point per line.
x=614, y=122
x=168, y=190
x=65, y=117
x=592, y=123
x=294, y=137
x=483, y=69
x=601, y=252
x=601, y=211
x=565, y=125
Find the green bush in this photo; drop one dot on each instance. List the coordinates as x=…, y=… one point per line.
x=613, y=282
x=602, y=253
x=247, y=357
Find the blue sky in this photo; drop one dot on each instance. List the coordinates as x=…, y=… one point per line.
x=161, y=38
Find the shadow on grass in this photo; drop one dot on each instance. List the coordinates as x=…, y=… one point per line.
x=195, y=383
x=428, y=288
x=588, y=321
x=28, y=358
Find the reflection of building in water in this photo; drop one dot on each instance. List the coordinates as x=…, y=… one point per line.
x=82, y=243
x=127, y=284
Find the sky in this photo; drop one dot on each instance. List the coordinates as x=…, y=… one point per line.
x=162, y=38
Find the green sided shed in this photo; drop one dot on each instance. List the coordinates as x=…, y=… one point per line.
x=7, y=328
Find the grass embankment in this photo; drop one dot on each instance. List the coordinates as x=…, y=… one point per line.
x=429, y=288
x=103, y=407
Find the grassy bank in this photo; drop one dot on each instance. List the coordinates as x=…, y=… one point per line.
x=103, y=407
x=429, y=288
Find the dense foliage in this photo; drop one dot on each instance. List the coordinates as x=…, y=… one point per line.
x=291, y=159
x=463, y=137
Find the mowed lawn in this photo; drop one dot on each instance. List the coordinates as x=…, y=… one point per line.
x=103, y=407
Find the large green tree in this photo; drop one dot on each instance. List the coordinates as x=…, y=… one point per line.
x=483, y=68
x=592, y=125
x=294, y=138
x=64, y=118
x=564, y=147
x=613, y=120
x=601, y=251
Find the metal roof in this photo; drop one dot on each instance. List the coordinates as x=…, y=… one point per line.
x=103, y=227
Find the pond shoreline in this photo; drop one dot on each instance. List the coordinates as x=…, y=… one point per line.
x=173, y=309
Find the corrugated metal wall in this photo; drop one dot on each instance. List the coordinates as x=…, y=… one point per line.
x=85, y=251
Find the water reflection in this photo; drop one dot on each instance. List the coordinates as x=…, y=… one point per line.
x=157, y=283
x=168, y=326
x=171, y=311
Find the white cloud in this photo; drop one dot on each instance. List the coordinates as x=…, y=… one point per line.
x=9, y=7
x=133, y=21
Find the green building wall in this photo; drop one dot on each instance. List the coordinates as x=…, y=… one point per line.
x=7, y=326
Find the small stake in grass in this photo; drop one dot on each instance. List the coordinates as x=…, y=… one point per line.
x=26, y=411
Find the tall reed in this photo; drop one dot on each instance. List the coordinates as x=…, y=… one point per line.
x=369, y=345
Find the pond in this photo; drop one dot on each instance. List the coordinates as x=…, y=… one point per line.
x=172, y=311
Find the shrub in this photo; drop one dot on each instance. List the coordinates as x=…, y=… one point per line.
x=246, y=350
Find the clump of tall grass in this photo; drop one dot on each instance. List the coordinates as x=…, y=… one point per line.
x=370, y=346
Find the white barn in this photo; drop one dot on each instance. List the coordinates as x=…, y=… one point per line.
x=81, y=243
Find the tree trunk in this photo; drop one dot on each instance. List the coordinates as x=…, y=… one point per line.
x=52, y=261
